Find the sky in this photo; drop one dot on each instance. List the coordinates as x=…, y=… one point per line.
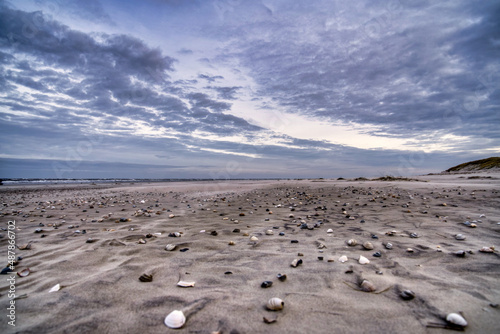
x=226, y=89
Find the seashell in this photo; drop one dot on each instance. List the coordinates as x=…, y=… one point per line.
x=363, y=260
x=269, y=232
x=487, y=249
x=320, y=245
x=171, y=215
x=407, y=294
x=329, y=230
x=295, y=263
x=266, y=284
x=146, y=278
x=456, y=319
x=460, y=253
x=388, y=245
x=231, y=243
x=175, y=319
x=367, y=286
x=170, y=247
x=343, y=258
x=55, y=288
x=24, y=272
x=391, y=233
x=269, y=321
x=352, y=242
x=410, y=250
x=186, y=284
x=460, y=236
x=141, y=241
x=254, y=238
x=25, y=246
x=275, y=304
x=368, y=245
x=281, y=277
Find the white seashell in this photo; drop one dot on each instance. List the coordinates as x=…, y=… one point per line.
x=186, y=284
x=456, y=319
x=175, y=319
x=55, y=288
x=171, y=216
x=352, y=242
x=343, y=258
x=157, y=234
x=202, y=231
x=329, y=230
x=269, y=232
x=170, y=247
x=363, y=260
x=275, y=304
x=254, y=238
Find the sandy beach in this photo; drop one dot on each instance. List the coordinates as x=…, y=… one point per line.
x=96, y=241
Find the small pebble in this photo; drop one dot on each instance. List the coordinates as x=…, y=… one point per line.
x=266, y=284
x=377, y=254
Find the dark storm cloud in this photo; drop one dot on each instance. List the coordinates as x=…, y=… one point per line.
x=114, y=76
x=210, y=78
x=408, y=67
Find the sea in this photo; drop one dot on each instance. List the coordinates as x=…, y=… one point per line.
x=21, y=181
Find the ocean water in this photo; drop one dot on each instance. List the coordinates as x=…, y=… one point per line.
x=89, y=181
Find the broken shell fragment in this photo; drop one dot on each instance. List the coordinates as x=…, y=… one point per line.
x=352, y=242
x=388, y=245
x=170, y=247
x=295, y=263
x=24, y=272
x=320, y=245
x=460, y=236
x=25, y=246
x=456, y=319
x=254, y=238
x=367, y=286
x=269, y=232
x=175, y=319
x=186, y=284
x=55, y=288
x=343, y=259
x=146, y=278
x=363, y=260
x=487, y=249
x=368, y=245
x=275, y=304
x=141, y=241
x=329, y=230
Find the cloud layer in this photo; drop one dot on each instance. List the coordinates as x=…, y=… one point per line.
x=227, y=89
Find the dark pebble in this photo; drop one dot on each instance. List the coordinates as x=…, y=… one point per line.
x=228, y=273
x=214, y=233
x=266, y=284
x=282, y=233
x=236, y=230
x=41, y=225
x=149, y=235
x=38, y=230
x=374, y=236
x=184, y=250
x=5, y=271
x=407, y=294
x=294, y=241
x=377, y=254
x=281, y=277
x=320, y=258
x=123, y=220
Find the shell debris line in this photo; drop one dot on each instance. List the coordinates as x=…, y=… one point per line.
x=256, y=255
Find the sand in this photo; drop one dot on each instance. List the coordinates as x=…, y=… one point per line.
x=101, y=291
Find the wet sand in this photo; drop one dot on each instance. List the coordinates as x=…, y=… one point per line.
x=101, y=291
